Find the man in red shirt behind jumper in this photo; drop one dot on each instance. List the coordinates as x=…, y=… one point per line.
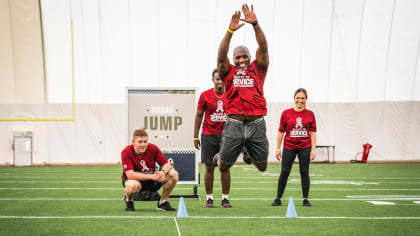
x=139, y=163
x=211, y=107
x=245, y=102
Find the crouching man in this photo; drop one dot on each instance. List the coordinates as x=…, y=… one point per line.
x=138, y=161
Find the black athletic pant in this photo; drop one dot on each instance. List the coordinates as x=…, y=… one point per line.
x=287, y=159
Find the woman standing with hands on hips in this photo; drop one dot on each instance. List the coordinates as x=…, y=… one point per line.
x=298, y=127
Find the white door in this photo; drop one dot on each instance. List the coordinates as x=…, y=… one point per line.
x=23, y=151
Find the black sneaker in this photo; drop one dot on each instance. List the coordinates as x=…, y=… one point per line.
x=215, y=159
x=247, y=158
x=209, y=203
x=277, y=202
x=165, y=207
x=306, y=203
x=226, y=204
x=129, y=206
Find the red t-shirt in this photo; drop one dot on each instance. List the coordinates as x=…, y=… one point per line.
x=144, y=163
x=245, y=91
x=215, y=116
x=298, y=127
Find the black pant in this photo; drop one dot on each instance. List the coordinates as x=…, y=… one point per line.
x=147, y=185
x=287, y=159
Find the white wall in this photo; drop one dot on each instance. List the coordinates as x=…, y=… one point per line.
x=21, y=57
x=99, y=132
x=358, y=59
x=339, y=50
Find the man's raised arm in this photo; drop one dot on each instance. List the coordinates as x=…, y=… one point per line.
x=223, y=63
x=262, y=50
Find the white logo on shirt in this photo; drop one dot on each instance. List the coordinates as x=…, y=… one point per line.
x=219, y=115
x=299, y=131
x=240, y=79
x=219, y=106
x=125, y=166
x=299, y=123
x=144, y=168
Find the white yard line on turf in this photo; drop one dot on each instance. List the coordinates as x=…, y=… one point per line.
x=344, y=178
x=59, y=199
x=260, y=182
x=59, y=177
x=382, y=203
x=61, y=188
x=312, y=182
x=272, y=188
x=383, y=196
x=387, y=173
x=406, y=198
x=177, y=227
x=329, y=189
x=59, y=182
x=59, y=171
x=211, y=217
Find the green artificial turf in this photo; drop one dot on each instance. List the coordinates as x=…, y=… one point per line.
x=86, y=201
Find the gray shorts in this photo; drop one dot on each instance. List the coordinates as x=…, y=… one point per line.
x=210, y=145
x=237, y=134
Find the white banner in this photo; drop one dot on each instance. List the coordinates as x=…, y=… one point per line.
x=166, y=114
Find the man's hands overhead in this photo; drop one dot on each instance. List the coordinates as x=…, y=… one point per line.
x=234, y=21
x=249, y=14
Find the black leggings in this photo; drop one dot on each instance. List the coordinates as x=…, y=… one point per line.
x=287, y=159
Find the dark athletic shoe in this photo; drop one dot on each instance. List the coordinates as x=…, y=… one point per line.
x=226, y=204
x=277, y=202
x=306, y=203
x=215, y=159
x=165, y=207
x=247, y=158
x=209, y=203
x=129, y=206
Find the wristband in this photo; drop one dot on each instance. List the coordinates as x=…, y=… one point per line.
x=255, y=23
x=196, y=139
x=278, y=150
x=164, y=172
x=231, y=31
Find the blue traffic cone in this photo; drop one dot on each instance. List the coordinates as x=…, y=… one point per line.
x=291, y=210
x=182, y=210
